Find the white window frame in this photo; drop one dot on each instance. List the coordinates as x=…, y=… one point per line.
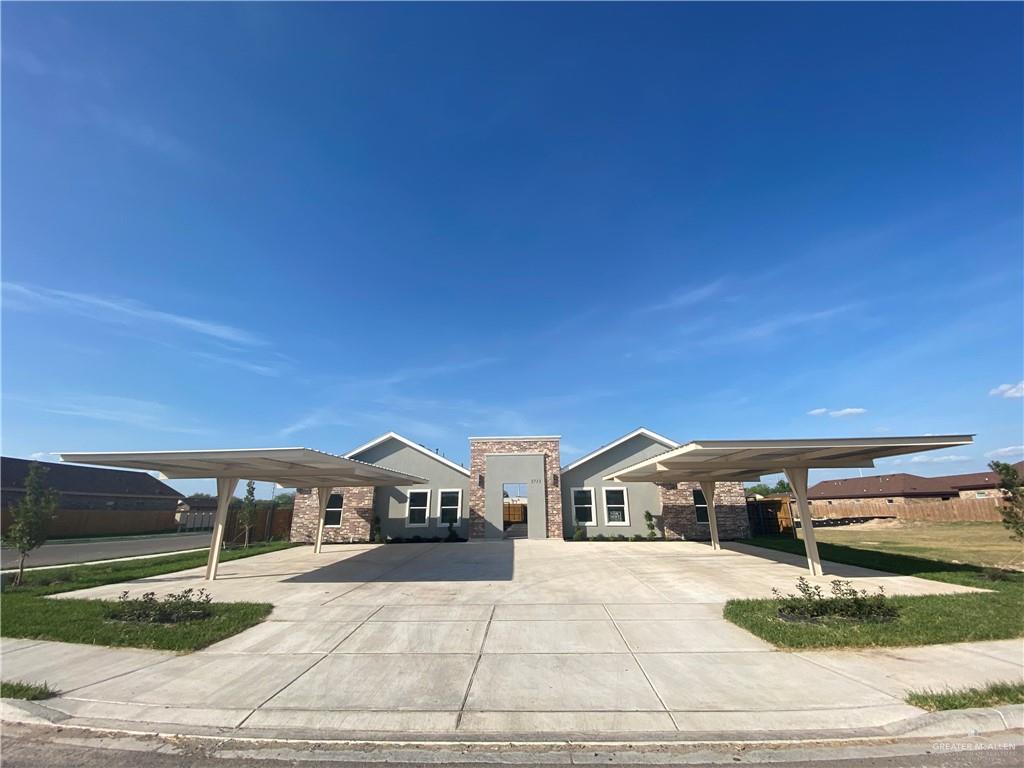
x=458, y=509
x=593, y=506
x=341, y=510
x=696, y=506
x=625, y=504
x=408, y=506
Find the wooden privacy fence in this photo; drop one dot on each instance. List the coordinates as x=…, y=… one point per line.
x=954, y=510
x=108, y=522
x=270, y=524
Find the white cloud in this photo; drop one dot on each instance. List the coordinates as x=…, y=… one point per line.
x=119, y=311
x=817, y=412
x=1008, y=390
x=946, y=459
x=848, y=412
x=1008, y=452
x=144, y=414
x=687, y=298
x=43, y=456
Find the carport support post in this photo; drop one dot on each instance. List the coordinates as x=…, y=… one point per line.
x=225, y=490
x=707, y=487
x=322, y=495
x=798, y=481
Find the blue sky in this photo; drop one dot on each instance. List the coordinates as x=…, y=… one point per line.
x=257, y=225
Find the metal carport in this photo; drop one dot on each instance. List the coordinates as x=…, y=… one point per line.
x=709, y=461
x=288, y=467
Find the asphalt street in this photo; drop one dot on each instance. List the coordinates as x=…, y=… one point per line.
x=84, y=550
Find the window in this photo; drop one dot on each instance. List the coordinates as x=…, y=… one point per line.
x=981, y=494
x=701, y=505
x=332, y=515
x=449, y=506
x=616, y=509
x=890, y=501
x=583, y=506
x=416, y=508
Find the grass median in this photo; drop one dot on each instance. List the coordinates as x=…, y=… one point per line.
x=993, y=695
x=923, y=620
x=27, y=613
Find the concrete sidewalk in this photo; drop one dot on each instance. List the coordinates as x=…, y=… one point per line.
x=735, y=695
x=519, y=640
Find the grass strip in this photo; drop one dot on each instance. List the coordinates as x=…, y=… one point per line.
x=28, y=614
x=992, y=695
x=923, y=620
x=15, y=689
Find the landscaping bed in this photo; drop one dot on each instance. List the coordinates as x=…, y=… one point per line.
x=918, y=620
x=28, y=614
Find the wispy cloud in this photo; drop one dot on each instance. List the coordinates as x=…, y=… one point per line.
x=837, y=413
x=141, y=134
x=119, y=311
x=143, y=414
x=686, y=298
x=262, y=369
x=929, y=459
x=1009, y=451
x=847, y=412
x=1008, y=390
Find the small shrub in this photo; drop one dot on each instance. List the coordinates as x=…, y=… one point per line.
x=639, y=537
x=600, y=537
x=416, y=539
x=845, y=603
x=652, y=526
x=621, y=537
x=452, y=535
x=395, y=540
x=378, y=537
x=434, y=539
x=175, y=608
x=579, y=533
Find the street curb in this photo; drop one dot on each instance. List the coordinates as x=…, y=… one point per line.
x=932, y=725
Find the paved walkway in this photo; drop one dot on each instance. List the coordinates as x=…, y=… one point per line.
x=505, y=638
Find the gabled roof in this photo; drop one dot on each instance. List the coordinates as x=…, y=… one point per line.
x=86, y=480
x=898, y=484
x=415, y=446
x=971, y=480
x=669, y=444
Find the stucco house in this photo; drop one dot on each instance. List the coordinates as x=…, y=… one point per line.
x=515, y=486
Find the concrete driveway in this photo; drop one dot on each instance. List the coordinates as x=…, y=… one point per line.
x=524, y=637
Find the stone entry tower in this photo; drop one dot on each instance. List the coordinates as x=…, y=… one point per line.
x=534, y=461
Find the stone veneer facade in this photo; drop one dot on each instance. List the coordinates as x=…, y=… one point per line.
x=679, y=515
x=356, y=516
x=478, y=450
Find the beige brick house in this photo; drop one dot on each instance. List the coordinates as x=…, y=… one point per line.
x=515, y=486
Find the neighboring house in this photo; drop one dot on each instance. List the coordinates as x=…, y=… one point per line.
x=903, y=488
x=94, y=501
x=515, y=486
x=898, y=488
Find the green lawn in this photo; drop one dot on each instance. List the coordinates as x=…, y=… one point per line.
x=924, y=620
x=986, y=544
x=992, y=695
x=27, y=613
x=30, y=691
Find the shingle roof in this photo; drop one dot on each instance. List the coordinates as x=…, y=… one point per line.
x=987, y=479
x=904, y=484
x=68, y=478
x=898, y=484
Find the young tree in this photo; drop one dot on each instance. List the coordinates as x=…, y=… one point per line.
x=1012, y=508
x=31, y=517
x=247, y=514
